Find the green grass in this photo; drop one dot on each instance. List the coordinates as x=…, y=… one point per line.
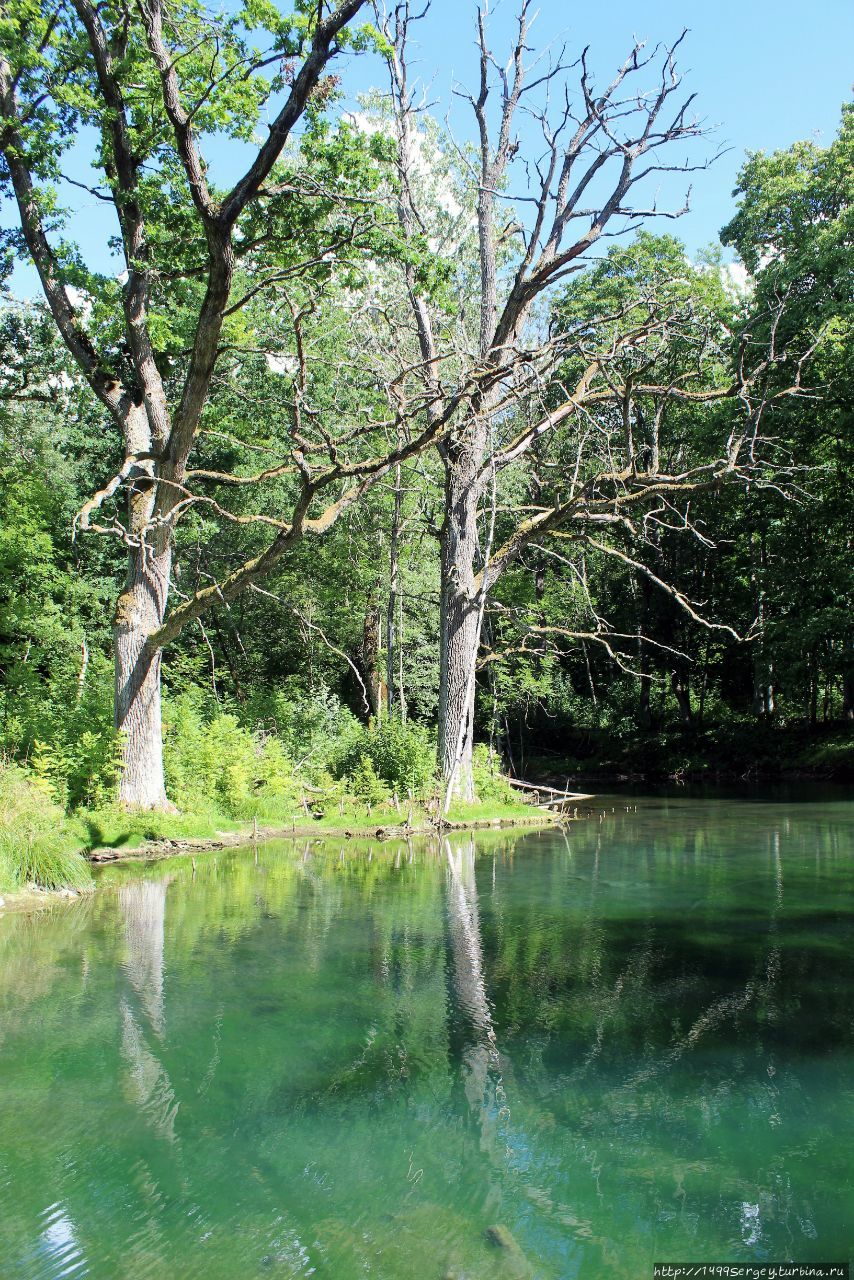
x=116, y=828
x=494, y=810
x=357, y=816
x=36, y=846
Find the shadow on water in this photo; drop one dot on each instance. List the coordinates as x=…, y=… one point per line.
x=564, y=1054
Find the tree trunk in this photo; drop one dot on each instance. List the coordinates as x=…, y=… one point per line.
x=813, y=678
x=371, y=646
x=139, y=612
x=460, y=619
x=848, y=695
x=704, y=684
x=848, y=680
x=679, y=686
x=392, y=639
x=763, y=687
x=644, y=632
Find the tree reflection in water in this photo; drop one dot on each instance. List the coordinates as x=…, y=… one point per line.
x=359, y=1058
x=143, y=910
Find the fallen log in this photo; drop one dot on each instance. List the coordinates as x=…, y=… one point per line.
x=541, y=789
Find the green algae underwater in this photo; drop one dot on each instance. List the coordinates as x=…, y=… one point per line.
x=558, y=1054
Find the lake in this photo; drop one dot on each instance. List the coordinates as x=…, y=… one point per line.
x=560, y=1054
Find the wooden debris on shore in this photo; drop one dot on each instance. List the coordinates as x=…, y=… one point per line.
x=551, y=799
x=395, y=833
x=163, y=848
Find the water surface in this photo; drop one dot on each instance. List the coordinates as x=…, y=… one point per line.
x=634, y=1041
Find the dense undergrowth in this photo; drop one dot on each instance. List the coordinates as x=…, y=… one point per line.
x=301, y=761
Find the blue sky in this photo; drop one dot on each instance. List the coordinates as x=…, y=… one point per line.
x=765, y=74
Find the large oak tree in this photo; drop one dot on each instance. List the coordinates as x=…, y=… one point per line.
x=134, y=94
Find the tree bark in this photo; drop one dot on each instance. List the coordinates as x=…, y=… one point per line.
x=460, y=620
x=679, y=686
x=643, y=631
x=848, y=679
x=392, y=639
x=813, y=687
x=763, y=687
x=139, y=612
x=371, y=645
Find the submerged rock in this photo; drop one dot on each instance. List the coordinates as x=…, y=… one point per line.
x=514, y=1260
x=501, y=1237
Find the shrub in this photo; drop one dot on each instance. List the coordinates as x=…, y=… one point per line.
x=65, y=735
x=490, y=785
x=365, y=784
x=33, y=839
x=402, y=755
x=218, y=763
x=311, y=727
x=81, y=769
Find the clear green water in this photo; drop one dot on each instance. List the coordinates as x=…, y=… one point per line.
x=635, y=1043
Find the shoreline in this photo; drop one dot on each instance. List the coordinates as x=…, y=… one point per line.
x=156, y=850
x=684, y=762
x=34, y=898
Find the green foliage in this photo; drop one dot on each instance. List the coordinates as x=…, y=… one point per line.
x=400, y=754
x=82, y=768
x=55, y=669
x=795, y=220
x=309, y=727
x=66, y=734
x=216, y=763
x=33, y=839
x=490, y=785
x=364, y=782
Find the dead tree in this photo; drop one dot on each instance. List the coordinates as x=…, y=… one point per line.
x=598, y=146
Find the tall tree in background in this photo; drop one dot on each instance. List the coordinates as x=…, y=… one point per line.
x=794, y=232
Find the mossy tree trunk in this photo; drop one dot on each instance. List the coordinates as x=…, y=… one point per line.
x=460, y=616
x=139, y=613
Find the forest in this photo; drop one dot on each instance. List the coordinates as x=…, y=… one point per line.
x=376, y=464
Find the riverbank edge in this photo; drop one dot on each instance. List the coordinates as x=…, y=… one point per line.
x=723, y=755
x=36, y=899
x=605, y=778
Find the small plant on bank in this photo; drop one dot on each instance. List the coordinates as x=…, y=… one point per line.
x=490, y=784
x=365, y=783
x=218, y=764
x=33, y=839
x=82, y=773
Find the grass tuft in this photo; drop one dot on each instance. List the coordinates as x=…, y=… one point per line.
x=33, y=840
